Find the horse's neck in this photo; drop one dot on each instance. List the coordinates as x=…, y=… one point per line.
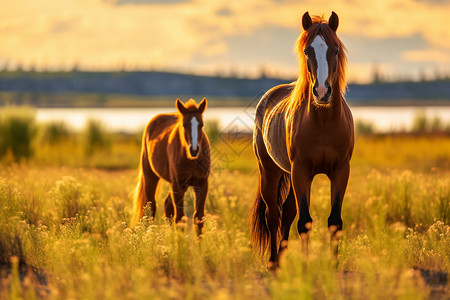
x=176, y=134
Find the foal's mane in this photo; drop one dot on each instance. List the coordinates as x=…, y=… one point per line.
x=319, y=27
x=191, y=106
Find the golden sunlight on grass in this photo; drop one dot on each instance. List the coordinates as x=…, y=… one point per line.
x=64, y=231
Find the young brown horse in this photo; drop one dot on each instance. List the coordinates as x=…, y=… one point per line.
x=176, y=149
x=303, y=129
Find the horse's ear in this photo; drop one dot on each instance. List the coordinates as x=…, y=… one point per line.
x=306, y=21
x=180, y=106
x=202, y=106
x=333, y=21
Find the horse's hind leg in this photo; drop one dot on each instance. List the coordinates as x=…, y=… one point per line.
x=145, y=192
x=287, y=217
x=269, y=192
x=269, y=183
x=150, y=183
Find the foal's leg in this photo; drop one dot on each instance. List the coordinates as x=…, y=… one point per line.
x=177, y=200
x=199, y=208
x=339, y=180
x=287, y=217
x=301, y=181
x=168, y=207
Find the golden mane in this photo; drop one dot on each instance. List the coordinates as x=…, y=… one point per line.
x=318, y=27
x=191, y=105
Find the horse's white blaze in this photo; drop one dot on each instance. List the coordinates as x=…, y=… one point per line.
x=194, y=131
x=320, y=49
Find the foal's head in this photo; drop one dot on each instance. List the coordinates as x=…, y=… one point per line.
x=192, y=124
x=323, y=56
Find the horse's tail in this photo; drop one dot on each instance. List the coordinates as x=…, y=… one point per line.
x=259, y=232
x=140, y=198
x=260, y=235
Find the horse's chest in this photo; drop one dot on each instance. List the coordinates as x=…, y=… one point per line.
x=322, y=157
x=193, y=172
x=321, y=150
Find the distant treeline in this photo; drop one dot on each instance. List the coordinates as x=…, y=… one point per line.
x=147, y=83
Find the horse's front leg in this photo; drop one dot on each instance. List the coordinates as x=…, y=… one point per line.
x=301, y=182
x=178, y=192
x=199, y=209
x=339, y=180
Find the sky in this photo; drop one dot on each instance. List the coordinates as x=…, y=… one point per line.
x=399, y=38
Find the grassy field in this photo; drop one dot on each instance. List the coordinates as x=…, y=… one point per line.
x=65, y=210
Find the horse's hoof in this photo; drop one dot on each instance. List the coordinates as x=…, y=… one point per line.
x=198, y=230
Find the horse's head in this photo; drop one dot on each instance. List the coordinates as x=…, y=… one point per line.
x=192, y=124
x=323, y=56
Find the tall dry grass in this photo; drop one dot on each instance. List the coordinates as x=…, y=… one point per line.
x=64, y=231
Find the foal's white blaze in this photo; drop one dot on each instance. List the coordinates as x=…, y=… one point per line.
x=320, y=49
x=194, y=131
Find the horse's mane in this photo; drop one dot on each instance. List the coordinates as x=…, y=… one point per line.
x=318, y=27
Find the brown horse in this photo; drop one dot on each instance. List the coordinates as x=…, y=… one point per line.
x=176, y=149
x=303, y=129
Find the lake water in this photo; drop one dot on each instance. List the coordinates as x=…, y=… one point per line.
x=233, y=118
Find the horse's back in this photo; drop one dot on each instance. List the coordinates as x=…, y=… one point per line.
x=271, y=99
x=161, y=124
x=270, y=124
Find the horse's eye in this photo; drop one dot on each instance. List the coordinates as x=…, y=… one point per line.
x=304, y=51
x=337, y=52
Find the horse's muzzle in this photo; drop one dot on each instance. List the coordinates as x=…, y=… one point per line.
x=322, y=94
x=193, y=152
